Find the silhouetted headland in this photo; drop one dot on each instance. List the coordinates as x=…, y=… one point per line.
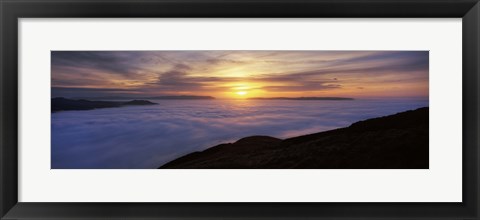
x=63, y=104
x=187, y=97
x=398, y=141
x=183, y=97
x=302, y=98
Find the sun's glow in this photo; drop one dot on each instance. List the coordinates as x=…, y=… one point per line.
x=242, y=74
x=241, y=93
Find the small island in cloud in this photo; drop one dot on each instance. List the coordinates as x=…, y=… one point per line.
x=301, y=98
x=147, y=97
x=239, y=109
x=63, y=104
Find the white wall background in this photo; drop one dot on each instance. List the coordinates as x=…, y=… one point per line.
x=441, y=183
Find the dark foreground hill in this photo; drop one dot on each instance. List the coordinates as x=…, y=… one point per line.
x=397, y=141
x=63, y=104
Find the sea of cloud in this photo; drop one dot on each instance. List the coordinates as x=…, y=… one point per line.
x=145, y=137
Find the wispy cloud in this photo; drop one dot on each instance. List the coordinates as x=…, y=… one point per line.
x=267, y=73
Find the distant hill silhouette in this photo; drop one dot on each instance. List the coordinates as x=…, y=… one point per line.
x=398, y=141
x=63, y=104
x=149, y=97
x=302, y=98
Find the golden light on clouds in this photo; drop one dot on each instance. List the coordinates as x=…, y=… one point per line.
x=240, y=74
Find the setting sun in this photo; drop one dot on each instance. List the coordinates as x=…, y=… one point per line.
x=241, y=93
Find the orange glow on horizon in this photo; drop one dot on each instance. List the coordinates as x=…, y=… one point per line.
x=241, y=74
x=241, y=93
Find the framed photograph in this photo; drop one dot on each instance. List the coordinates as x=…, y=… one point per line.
x=226, y=109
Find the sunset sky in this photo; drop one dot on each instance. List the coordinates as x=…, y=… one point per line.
x=240, y=74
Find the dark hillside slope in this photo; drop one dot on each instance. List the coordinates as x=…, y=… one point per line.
x=397, y=141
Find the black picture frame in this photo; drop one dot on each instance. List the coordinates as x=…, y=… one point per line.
x=12, y=10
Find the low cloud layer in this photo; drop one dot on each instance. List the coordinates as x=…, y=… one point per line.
x=149, y=136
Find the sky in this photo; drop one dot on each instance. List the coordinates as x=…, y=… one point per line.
x=240, y=74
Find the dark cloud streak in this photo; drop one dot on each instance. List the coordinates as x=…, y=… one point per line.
x=194, y=71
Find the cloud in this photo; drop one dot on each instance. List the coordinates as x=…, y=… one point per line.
x=149, y=136
x=209, y=72
x=109, y=61
x=75, y=92
x=311, y=86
